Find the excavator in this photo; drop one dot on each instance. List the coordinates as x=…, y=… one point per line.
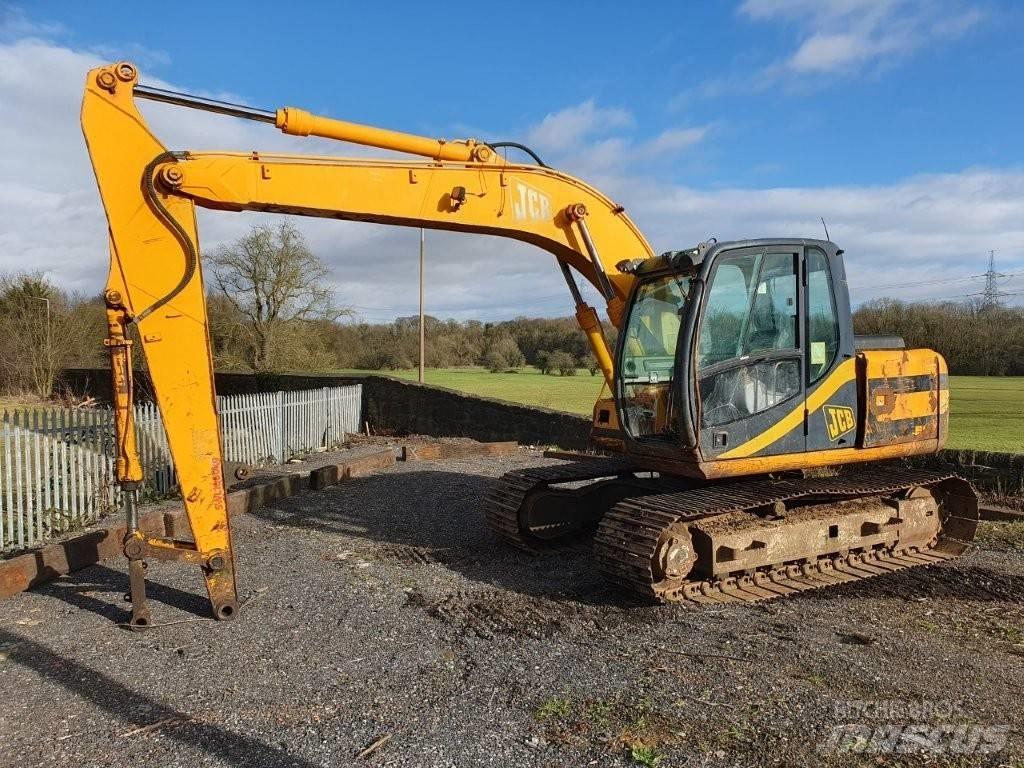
x=747, y=451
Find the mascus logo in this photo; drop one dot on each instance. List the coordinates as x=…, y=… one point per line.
x=838, y=420
x=529, y=203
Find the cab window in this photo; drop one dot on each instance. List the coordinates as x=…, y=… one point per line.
x=748, y=347
x=822, y=326
x=648, y=350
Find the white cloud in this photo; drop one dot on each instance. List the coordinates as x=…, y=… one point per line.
x=923, y=228
x=51, y=219
x=676, y=139
x=562, y=130
x=823, y=53
x=50, y=214
x=843, y=36
x=594, y=141
x=15, y=24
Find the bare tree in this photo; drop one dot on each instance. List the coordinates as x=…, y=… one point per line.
x=274, y=282
x=41, y=330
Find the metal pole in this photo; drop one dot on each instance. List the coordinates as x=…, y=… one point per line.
x=422, y=335
x=49, y=342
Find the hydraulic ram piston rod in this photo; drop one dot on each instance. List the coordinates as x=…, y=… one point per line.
x=203, y=103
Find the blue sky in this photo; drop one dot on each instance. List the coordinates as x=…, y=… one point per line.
x=952, y=103
x=897, y=120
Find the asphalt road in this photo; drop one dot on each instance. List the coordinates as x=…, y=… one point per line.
x=384, y=609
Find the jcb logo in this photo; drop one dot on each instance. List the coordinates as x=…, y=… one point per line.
x=529, y=203
x=838, y=420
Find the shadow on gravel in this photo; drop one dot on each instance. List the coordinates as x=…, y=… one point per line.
x=421, y=517
x=430, y=516
x=75, y=590
x=127, y=705
x=942, y=582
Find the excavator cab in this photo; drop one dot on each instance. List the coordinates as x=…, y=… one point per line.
x=724, y=344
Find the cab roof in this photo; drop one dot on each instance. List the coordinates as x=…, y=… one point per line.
x=693, y=257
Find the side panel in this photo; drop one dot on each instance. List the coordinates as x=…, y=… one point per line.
x=903, y=394
x=788, y=430
x=757, y=465
x=832, y=418
x=906, y=396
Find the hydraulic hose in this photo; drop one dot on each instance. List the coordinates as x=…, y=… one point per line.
x=191, y=257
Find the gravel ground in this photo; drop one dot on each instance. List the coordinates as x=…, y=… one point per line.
x=383, y=608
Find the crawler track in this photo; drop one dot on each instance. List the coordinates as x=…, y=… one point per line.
x=636, y=520
x=509, y=504
x=629, y=536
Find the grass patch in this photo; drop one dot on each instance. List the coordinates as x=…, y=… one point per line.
x=986, y=412
x=646, y=755
x=599, y=714
x=553, y=709
x=573, y=394
x=1004, y=536
x=616, y=725
x=23, y=402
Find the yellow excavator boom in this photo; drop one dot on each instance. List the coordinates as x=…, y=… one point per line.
x=155, y=280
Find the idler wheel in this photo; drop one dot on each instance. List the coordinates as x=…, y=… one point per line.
x=674, y=556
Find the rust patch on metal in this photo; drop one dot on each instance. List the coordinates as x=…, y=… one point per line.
x=903, y=403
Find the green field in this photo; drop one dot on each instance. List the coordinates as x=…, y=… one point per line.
x=561, y=393
x=987, y=412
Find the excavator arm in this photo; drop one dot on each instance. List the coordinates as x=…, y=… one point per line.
x=155, y=281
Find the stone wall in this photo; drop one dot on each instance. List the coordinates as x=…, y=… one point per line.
x=389, y=404
x=409, y=407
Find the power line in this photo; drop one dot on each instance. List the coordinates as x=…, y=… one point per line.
x=919, y=282
x=1002, y=294
x=940, y=281
x=1004, y=251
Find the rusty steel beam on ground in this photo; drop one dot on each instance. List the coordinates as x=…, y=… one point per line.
x=54, y=560
x=445, y=450
x=998, y=514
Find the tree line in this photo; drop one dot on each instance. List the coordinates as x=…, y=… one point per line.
x=269, y=311
x=975, y=339
x=553, y=345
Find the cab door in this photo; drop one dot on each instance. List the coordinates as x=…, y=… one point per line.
x=750, y=356
x=831, y=375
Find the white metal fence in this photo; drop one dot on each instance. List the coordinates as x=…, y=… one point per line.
x=57, y=464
